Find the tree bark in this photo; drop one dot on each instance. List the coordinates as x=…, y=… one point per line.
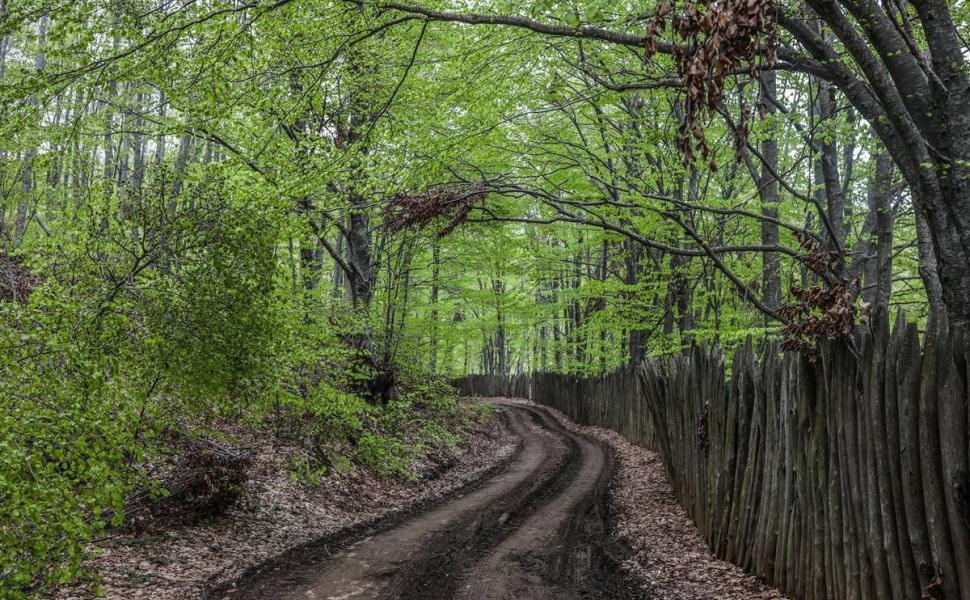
x=637, y=336
x=359, y=252
x=928, y=268
x=435, y=276
x=768, y=191
x=309, y=265
x=879, y=277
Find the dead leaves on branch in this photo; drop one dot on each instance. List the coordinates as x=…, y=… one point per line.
x=824, y=310
x=16, y=281
x=720, y=38
x=418, y=211
x=207, y=479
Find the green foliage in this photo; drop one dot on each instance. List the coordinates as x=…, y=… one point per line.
x=68, y=440
x=194, y=186
x=340, y=430
x=386, y=456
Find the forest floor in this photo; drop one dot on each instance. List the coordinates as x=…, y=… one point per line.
x=537, y=508
x=536, y=531
x=578, y=514
x=278, y=513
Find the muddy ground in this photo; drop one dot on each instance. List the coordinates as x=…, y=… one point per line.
x=535, y=530
x=278, y=512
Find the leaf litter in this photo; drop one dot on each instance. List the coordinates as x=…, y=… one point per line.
x=275, y=513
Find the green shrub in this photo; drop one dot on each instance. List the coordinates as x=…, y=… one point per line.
x=68, y=427
x=386, y=455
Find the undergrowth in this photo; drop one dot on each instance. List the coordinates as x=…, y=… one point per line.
x=106, y=363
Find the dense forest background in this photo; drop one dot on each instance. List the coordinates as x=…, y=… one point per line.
x=250, y=208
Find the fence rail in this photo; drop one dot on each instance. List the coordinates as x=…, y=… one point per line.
x=844, y=479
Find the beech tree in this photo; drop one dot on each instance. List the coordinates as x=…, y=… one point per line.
x=212, y=207
x=902, y=66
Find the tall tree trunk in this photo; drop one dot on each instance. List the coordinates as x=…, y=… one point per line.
x=160, y=140
x=557, y=336
x=501, y=342
x=768, y=191
x=878, y=275
x=27, y=180
x=928, y=267
x=181, y=164
x=577, y=341
x=359, y=251
x=637, y=336
x=602, y=276
x=337, y=281
x=309, y=266
x=828, y=184
x=4, y=50
x=435, y=275
x=4, y=42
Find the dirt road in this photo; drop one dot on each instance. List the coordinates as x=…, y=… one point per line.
x=535, y=530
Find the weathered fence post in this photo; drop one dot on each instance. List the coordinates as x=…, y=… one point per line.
x=848, y=479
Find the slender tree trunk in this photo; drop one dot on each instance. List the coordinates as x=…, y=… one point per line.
x=501, y=342
x=928, y=266
x=828, y=184
x=602, y=275
x=138, y=160
x=4, y=43
x=309, y=266
x=4, y=49
x=637, y=336
x=557, y=350
x=27, y=179
x=577, y=340
x=879, y=276
x=339, y=276
x=359, y=251
x=768, y=190
x=291, y=254
x=58, y=165
x=181, y=164
x=435, y=275
x=160, y=139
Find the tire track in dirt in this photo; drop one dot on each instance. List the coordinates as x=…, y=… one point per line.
x=537, y=530
x=552, y=554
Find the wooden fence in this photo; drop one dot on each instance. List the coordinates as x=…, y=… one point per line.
x=844, y=479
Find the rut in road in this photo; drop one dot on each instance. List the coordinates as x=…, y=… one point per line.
x=536, y=530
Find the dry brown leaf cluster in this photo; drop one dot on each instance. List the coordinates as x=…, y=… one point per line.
x=16, y=281
x=417, y=211
x=720, y=38
x=824, y=310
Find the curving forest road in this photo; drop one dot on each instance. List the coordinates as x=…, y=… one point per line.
x=536, y=529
